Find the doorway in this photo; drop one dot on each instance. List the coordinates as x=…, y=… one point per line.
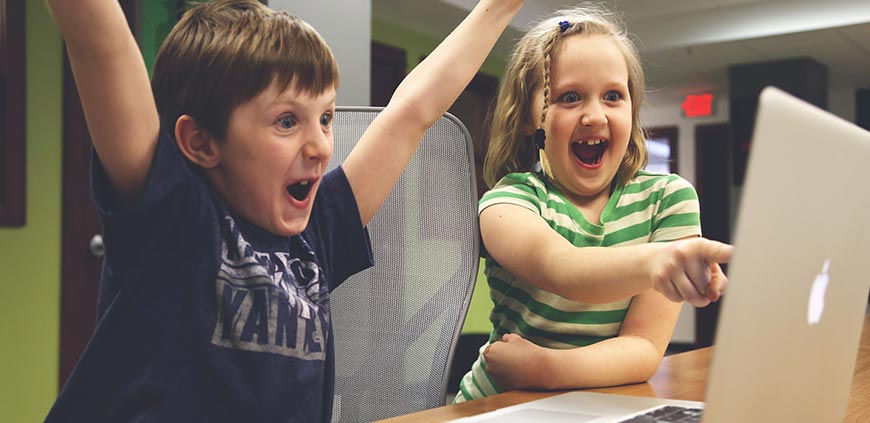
x=713, y=183
x=81, y=257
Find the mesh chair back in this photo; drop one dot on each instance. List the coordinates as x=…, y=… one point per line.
x=396, y=324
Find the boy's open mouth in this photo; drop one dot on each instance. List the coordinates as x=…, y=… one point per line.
x=589, y=152
x=300, y=190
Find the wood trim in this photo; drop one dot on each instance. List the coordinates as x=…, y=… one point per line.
x=79, y=270
x=13, y=184
x=388, y=68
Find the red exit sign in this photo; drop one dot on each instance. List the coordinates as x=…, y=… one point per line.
x=698, y=105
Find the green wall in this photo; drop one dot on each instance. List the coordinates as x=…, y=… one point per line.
x=417, y=45
x=30, y=255
x=158, y=17
x=477, y=320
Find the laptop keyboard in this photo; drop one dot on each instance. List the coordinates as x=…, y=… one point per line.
x=668, y=414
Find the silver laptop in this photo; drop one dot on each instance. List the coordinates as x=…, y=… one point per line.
x=791, y=319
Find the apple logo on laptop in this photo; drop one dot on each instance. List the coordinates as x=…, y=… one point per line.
x=817, y=295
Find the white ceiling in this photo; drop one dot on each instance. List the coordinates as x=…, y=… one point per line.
x=687, y=46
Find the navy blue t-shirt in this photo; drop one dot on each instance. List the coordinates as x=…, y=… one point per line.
x=203, y=316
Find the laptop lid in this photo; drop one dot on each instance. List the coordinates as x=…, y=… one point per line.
x=791, y=318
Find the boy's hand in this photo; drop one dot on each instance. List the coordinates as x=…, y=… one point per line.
x=516, y=363
x=114, y=88
x=688, y=270
x=379, y=158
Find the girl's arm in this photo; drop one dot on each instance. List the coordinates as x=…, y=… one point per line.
x=632, y=357
x=384, y=150
x=114, y=88
x=521, y=242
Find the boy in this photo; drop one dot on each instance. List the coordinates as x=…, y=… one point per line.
x=224, y=236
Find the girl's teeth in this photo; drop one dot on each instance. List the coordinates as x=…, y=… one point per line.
x=303, y=183
x=593, y=142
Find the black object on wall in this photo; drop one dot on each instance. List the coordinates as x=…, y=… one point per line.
x=712, y=147
x=804, y=78
x=862, y=108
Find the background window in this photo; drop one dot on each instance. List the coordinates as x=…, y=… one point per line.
x=661, y=142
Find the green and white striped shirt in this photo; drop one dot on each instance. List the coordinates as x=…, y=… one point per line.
x=649, y=208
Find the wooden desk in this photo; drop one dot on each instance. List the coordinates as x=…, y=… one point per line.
x=681, y=376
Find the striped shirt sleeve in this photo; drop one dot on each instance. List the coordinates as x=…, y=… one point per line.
x=517, y=189
x=678, y=215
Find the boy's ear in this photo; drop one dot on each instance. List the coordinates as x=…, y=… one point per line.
x=195, y=143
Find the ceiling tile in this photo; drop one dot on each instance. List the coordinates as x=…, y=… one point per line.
x=859, y=35
x=823, y=45
x=845, y=50
x=703, y=58
x=734, y=3
x=635, y=10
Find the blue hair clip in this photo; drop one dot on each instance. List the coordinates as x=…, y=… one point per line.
x=564, y=25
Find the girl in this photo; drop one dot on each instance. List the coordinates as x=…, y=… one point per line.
x=570, y=312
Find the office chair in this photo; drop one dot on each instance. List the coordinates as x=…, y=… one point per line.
x=396, y=325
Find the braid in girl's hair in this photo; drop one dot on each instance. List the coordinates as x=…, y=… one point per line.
x=540, y=134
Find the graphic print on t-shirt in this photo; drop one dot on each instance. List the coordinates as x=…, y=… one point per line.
x=269, y=301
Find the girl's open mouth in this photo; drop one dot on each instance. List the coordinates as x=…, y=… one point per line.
x=589, y=152
x=300, y=190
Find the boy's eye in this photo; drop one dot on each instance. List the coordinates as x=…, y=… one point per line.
x=571, y=98
x=286, y=122
x=612, y=96
x=326, y=119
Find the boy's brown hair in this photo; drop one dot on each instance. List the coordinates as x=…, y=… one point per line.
x=223, y=53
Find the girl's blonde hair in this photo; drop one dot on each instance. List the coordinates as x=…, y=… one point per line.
x=510, y=148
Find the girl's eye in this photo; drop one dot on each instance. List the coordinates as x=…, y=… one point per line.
x=571, y=98
x=286, y=122
x=326, y=119
x=612, y=96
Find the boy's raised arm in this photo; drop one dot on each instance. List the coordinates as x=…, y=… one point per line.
x=427, y=92
x=114, y=89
